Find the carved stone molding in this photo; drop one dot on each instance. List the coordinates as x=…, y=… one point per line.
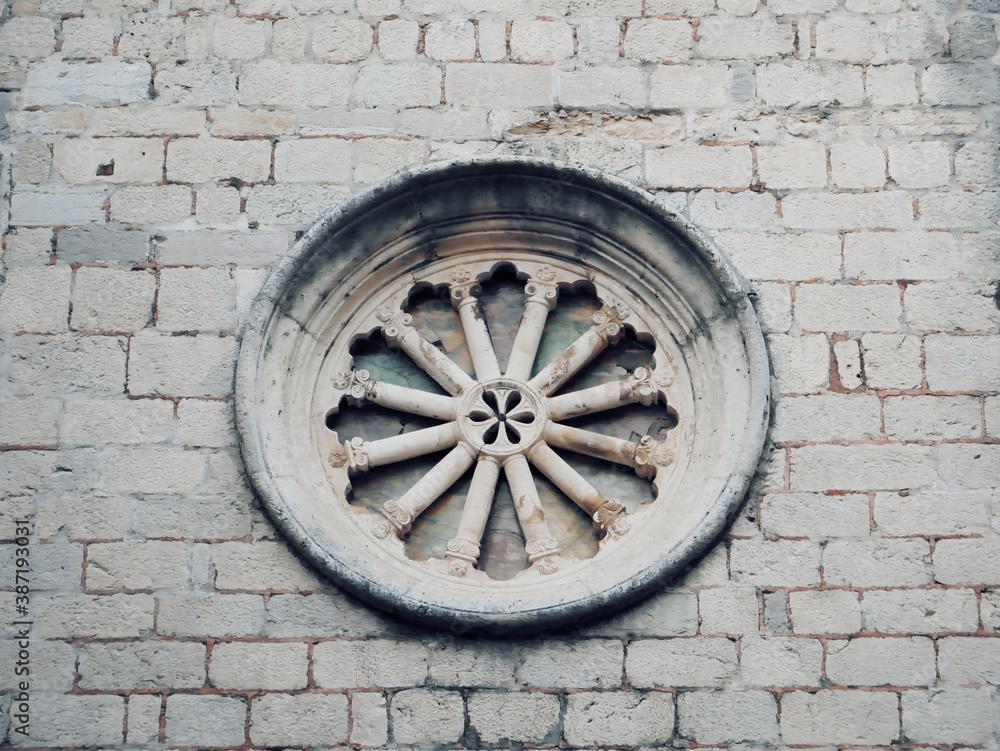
x=508, y=396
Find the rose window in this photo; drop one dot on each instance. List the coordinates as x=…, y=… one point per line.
x=502, y=394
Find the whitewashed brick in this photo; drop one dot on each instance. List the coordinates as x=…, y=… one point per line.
x=57, y=365
x=952, y=715
x=727, y=716
x=845, y=211
x=892, y=85
x=249, y=665
x=217, y=205
x=728, y=610
x=602, y=86
x=892, y=361
x=620, y=717
x=60, y=720
x=95, y=422
x=695, y=662
x=784, y=563
x=857, y=164
x=699, y=166
x=814, y=515
x=369, y=723
x=827, y=417
x=145, y=120
x=54, y=205
x=137, y=565
x=27, y=36
x=29, y=247
x=110, y=616
x=773, y=304
x=35, y=299
x=286, y=204
x=540, y=41
x=29, y=422
x=212, y=616
x=302, y=720
x=450, y=40
x=936, y=514
x=143, y=718
x=151, y=37
x=193, y=720
x=960, y=209
x=341, y=40
x=477, y=664
x=88, y=36
x=313, y=160
x=196, y=300
x=952, y=307
x=200, y=159
x=850, y=39
x=493, y=85
x=977, y=164
x=960, y=84
x=901, y=255
x=526, y=717
x=427, y=716
x=792, y=165
x=925, y=164
x=87, y=160
x=377, y=158
x=855, y=717
x=99, y=83
x=288, y=39
x=801, y=363
x=992, y=413
x=151, y=204
x=112, y=299
x=377, y=663
x=877, y=563
x=962, y=363
x=921, y=611
x=969, y=660
x=584, y=664
x=295, y=84
x=398, y=86
x=656, y=40
x=932, y=417
x=91, y=517
x=597, y=40
x=809, y=85
x=260, y=566
x=248, y=248
x=830, y=611
x=967, y=561
x=822, y=307
x=847, y=355
x=744, y=39
x=239, y=38
x=246, y=121
x=153, y=664
x=398, y=39
x=743, y=210
x=865, y=467
x=699, y=85
x=781, y=661
x=181, y=365
x=911, y=37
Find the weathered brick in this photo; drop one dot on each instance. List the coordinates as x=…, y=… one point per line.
x=495, y=85
x=98, y=83
x=369, y=718
x=962, y=363
x=936, y=514
x=699, y=166
x=781, y=661
x=921, y=611
x=53, y=205
x=801, y=363
x=151, y=204
x=844, y=211
x=296, y=84
x=728, y=610
x=814, y=515
x=99, y=243
x=114, y=616
x=248, y=665
x=849, y=39
x=540, y=41
x=656, y=40
x=181, y=365
x=969, y=660
x=698, y=85
x=427, y=716
x=924, y=164
x=892, y=361
x=58, y=365
x=809, y=85
x=827, y=417
x=156, y=664
x=855, y=717
x=775, y=564
x=830, y=611
x=137, y=565
x=901, y=255
x=584, y=664
x=211, y=616
x=880, y=661
x=874, y=467
x=193, y=720
x=602, y=87
x=727, y=716
x=89, y=422
x=302, y=720
x=514, y=717
x=369, y=664
x=960, y=84
x=61, y=720
x=143, y=718
x=855, y=164
x=744, y=39
x=877, y=563
x=951, y=715
x=260, y=566
x=681, y=662
x=621, y=717
x=199, y=159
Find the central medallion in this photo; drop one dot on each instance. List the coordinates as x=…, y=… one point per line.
x=502, y=417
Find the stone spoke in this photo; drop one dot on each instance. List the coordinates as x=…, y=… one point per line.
x=638, y=387
x=362, y=455
x=364, y=388
x=398, y=515
x=643, y=456
x=464, y=297
x=607, y=329
x=540, y=298
x=602, y=510
x=464, y=546
x=398, y=332
x=539, y=543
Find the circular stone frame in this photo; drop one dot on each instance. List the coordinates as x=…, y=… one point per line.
x=710, y=364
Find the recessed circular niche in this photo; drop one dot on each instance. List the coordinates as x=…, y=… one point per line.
x=502, y=395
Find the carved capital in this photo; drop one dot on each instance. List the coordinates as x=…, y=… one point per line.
x=606, y=514
x=397, y=327
x=541, y=292
x=464, y=288
x=609, y=322
x=640, y=383
x=464, y=549
x=357, y=455
x=541, y=548
x=649, y=455
x=361, y=387
x=395, y=516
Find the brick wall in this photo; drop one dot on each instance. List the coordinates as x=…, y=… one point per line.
x=157, y=158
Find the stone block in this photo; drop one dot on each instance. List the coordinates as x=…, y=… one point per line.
x=694, y=662
x=196, y=720
x=298, y=720
x=255, y=665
